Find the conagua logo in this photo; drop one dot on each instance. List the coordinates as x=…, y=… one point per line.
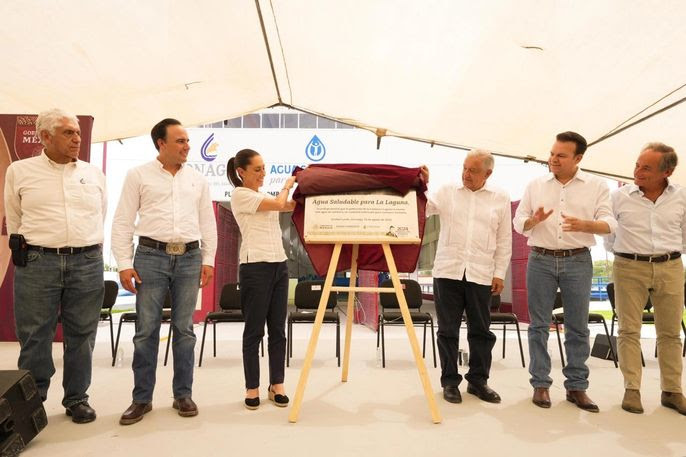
x=315, y=149
x=208, y=150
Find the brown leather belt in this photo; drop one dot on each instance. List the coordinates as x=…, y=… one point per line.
x=559, y=252
x=65, y=250
x=650, y=258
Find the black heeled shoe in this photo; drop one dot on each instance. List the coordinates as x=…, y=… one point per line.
x=279, y=400
x=252, y=403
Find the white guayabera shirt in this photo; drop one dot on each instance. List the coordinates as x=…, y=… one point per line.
x=475, y=241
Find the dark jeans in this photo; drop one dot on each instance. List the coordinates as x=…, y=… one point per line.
x=160, y=274
x=264, y=298
x=453, y=298
x=69, y=285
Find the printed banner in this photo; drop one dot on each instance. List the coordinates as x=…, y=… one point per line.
x=379, y=215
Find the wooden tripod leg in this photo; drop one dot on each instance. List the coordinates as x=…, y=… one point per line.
x=349, y=313
x=421, y=367
x=312, y=346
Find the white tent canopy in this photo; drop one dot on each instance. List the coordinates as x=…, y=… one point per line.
x=501, y=75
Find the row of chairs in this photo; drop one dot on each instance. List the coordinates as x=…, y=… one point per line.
x=308, y=293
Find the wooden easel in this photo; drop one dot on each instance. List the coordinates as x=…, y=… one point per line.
x=351, y=289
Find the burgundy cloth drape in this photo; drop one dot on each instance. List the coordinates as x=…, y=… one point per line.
x=320, y=179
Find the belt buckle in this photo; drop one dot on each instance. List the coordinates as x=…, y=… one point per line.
x=176, y=248
x=560, y=253
x=65, y=251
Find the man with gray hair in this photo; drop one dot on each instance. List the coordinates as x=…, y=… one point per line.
x=474, y=250
x=55, y=207
x=650, y=237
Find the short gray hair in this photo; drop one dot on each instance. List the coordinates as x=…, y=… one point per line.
x=47, y=121
x=669, y=159
x=486, y=157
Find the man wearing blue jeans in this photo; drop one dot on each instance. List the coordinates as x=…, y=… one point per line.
x=175, y=256
x=559, y=213
x=57, y=203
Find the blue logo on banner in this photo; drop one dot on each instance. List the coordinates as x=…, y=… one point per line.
x=315, y=149
x=208, y=150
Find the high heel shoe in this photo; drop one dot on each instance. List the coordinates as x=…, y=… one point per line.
x=279, y=400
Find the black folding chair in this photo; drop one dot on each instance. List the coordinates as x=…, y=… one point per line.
x=110, y=298
x=593, y=318
x=133, y=317
x=307, y=296
x=230, y=304
x=498, y=317
x=390, y=314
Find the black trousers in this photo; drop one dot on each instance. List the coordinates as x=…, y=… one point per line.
x=264, y=298
x=453, y=298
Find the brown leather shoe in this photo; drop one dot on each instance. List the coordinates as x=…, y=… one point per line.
x=675, y=401
x=186, y=407
x=580, y=399
x=541, y=397
x=134, y=413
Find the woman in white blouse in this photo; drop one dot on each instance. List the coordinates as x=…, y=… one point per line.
x=263, y=273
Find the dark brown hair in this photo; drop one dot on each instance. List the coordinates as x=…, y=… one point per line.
x=241, y=160
x=159, y=131
x=573, y=137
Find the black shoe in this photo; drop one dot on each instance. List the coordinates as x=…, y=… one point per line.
x=252, y=403
x=452, y=394
x=483, y=392
x=81, y=413
x=279, y=400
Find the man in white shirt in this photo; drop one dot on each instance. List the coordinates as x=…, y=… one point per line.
x=559, y=213
x=474, y=250
x=650, y=236
x=58, y=203
x=175, y=255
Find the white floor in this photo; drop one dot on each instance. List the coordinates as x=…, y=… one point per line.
x=379, y=411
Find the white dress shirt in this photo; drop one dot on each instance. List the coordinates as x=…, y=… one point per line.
x=55, y=205
x=585, y=197
x=475, y=241
x=171, y=208
x=260, y=230
x=648, y=228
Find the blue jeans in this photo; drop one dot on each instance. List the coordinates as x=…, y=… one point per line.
x=572, y=275
x=69, y=285
x=160, y=274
